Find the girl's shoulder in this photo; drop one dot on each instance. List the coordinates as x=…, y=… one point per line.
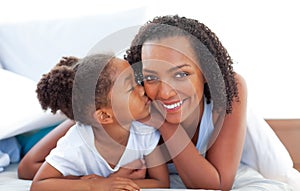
x=76, y=135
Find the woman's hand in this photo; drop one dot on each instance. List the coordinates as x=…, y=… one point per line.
x=119, y=183
x=133, y=170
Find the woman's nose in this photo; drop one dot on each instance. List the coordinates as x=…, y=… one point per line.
x=166, y=90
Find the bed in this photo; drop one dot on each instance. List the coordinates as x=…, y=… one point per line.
x=10, y=182
x=21, y=67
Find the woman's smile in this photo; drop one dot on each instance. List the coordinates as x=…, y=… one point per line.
x=172, y=106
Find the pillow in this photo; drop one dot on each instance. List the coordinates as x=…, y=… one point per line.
x=265, y=152
x=33, y=48
x=20, y=109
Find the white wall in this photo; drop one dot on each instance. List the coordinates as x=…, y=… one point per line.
x=262, y=37
x=20, y=10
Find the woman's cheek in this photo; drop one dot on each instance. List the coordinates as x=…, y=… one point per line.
x=150, y=91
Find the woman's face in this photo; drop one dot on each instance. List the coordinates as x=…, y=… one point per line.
x=172, y=77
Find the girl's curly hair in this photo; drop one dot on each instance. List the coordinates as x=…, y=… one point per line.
x=77, y=87
x=213, y=59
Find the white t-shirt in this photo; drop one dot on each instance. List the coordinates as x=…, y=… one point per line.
x=76, y=154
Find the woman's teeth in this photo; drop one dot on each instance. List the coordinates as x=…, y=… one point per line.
x=174, y=105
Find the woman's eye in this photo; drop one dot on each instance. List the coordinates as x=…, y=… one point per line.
x=181, y=74
x=149, y=78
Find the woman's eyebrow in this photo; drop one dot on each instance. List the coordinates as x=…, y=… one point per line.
x=178, y=67
x=169, y=70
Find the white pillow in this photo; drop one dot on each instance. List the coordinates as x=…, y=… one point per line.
x=20, y=110
x=265, y=152
x=32, y=48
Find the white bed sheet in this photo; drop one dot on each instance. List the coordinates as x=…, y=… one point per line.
x=9, y=182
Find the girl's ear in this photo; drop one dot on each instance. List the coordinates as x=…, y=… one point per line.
x=103, y=117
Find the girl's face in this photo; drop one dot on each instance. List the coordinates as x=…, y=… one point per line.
x=128, y=100
x=172, y=77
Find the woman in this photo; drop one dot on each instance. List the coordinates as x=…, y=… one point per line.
x=188, y=75
x=184, y=86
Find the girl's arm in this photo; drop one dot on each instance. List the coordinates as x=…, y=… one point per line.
x=32, y=161
x=157, y=171
x=218, y=169
x=50, y=179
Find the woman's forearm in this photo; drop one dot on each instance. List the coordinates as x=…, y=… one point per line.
x=151, y=183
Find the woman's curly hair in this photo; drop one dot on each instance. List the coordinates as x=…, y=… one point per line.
x=213, y=59
x=77, y=87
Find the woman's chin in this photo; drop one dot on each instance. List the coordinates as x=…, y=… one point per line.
x=173, y=119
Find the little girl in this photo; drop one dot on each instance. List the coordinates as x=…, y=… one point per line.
x=98, y=92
